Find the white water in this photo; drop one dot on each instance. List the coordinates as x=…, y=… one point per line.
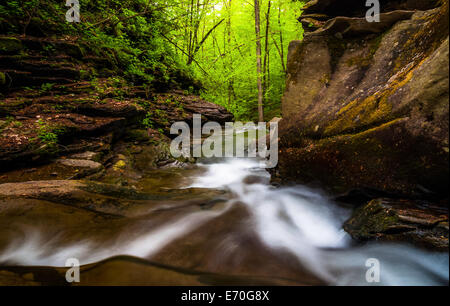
x=300, y=220
x=308, y=224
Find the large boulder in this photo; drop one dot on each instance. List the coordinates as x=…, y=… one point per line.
x=369, y=110
x=132, y=271
x=401, y=220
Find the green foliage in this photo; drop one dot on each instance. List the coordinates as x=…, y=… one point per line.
x=148, y=122
x=46, y=87
x=127, y=33
x=226, y=60
x=47, y=134
x=201, y=46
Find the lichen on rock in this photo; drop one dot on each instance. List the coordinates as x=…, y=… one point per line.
x=369, y=109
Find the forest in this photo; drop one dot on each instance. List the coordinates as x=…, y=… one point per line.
x=349, y=187
x=213, y=44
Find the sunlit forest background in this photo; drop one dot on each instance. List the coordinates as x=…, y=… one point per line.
x=206, y=46
x=225, y=60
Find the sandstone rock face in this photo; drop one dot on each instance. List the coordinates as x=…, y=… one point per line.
x=401, y=220
x=366, y=104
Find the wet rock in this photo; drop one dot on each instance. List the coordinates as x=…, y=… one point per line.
x=256, y=179
x=218, y=246
x=82, y=167
x=55, y=170
x=88, y=155
x=179, y=106
x=371, y=110
x=113, y=108
x=274, y=120
x=401, y=220
x=132, y=271
x=99, y=199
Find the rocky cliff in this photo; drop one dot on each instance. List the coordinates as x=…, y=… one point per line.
x=89, y=89
x=57, y=99
x=365, y=115
x=366, y=104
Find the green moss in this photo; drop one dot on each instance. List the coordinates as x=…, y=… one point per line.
x=367, y=59
x=370, y=220
x=337, y=48
x=371, y=111
x=10, y=45
x=2, y=79
x=119, y=165
x=115, y=191
x=138, y=135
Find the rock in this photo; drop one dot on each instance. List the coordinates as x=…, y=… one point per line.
x=27, y=139
x=356, y=8
x=88, y=155
x=132, y=271
x=99, y=199
x=80, y=163
x=119, y=165
x=351, y=26
x=369, y=111
x=401, y=220
x=82, y=167
x=256, y=179
x=132, y=161
x=10, y=45
x=54, y=170
x=8, y=278
x=2, y=79
x=112, y=108
x=274, y=120
x=56, y=106
x=179, y=106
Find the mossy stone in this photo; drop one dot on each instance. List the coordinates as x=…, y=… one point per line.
x=2, y=79
x=10, y=45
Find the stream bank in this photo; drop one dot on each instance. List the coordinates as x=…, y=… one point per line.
x=365, y=115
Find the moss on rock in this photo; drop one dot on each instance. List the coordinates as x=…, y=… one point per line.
x=400, y=220
x=2, y=79
x=10, y=45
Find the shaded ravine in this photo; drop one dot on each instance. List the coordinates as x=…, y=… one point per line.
x=289, y=230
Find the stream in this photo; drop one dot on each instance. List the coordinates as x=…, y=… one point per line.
x=253, y=229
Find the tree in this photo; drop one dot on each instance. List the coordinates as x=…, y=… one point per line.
x=267, y=52
x=258, y=61
x=217, y=41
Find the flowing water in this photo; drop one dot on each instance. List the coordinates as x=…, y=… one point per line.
x=255, y=228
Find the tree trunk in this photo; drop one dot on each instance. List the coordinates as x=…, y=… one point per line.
x=258, y=61
x=266, y=54
x=281, y=40
x=230, y=57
